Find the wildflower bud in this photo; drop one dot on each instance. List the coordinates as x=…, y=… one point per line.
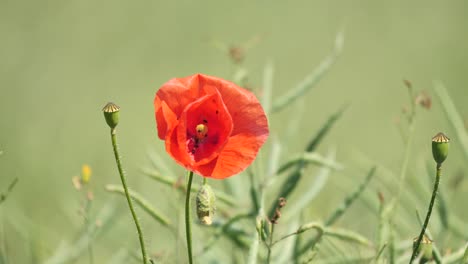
x=205, y=202
x=111, y=113
x=85, y=174
x=440, y=147
x=425, y=249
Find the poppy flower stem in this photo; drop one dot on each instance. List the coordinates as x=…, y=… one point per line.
x=188, y=218
x=127, y=195
x=428, y=215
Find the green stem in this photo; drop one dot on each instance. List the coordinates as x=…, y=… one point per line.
x=428, y=215
x=271, y=242
x=87, y=228
x=127, y=195
x=188, y=218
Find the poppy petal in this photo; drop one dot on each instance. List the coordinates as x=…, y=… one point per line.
x=236, y=156
x=246, y=111
x=165, y=119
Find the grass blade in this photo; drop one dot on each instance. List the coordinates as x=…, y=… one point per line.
x=293, y=179
x=310, y=80
x=325, y=129
x=268, y=74
x=310, y=158
x=347, y=235
x=253, y=250
x=454, y=117
x=142, y=202
x=67, y=253
x=319, y=182
x=5, y=194
x=348, y=201
x=169, y=181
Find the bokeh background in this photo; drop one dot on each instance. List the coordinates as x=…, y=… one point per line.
x=62, y=61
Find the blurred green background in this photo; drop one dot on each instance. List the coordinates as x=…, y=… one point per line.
x=62, y=61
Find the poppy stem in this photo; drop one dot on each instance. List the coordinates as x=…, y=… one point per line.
x=428, y=215
x=188, y=218
x=127, y=195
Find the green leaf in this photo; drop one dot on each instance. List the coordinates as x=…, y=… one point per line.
x=349, y=200
x=142, y=202
x=169, y=181
x=310, y=158
x=294, y=177
x=268, y=73
x=312, y=79
x=454, y=117
x=315, y=187
x=68, y=252
x=347, y=235
x=4, y=195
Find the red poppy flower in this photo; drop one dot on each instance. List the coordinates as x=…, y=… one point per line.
x=210, y=126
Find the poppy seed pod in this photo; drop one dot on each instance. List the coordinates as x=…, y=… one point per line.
x=205, y=202
x=425, y=249
x=440, y=147
x=111, y=114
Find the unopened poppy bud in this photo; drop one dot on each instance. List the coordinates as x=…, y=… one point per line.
x=205, y=204
x=425, y=249
x=111, y=114
x=440, y=147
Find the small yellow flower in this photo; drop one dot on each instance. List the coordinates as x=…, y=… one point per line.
x=85, y=173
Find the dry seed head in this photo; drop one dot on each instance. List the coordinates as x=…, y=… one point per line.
x=277, y=215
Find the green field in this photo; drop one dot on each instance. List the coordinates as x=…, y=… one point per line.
x=62, y=61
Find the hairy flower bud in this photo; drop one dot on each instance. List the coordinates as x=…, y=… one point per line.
x=205, y=202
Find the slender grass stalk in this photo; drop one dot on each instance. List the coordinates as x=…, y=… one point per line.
x=127, y=195
x=3, y=196
x=313, y=225
x=143, y=203
x=428, y=215
x=88, y=229
x=169, y=181
x=188, y=218
x=270, y=243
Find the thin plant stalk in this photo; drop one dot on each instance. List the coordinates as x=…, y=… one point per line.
x=87, y=225
x=270, y=244
x=127, y=195
x=428, y=215
x=188, y=218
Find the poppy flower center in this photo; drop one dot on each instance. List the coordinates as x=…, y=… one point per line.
x=202, y=131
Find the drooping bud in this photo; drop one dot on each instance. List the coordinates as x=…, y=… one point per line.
x=205, y=202
x=425, y=249
x=111, y=114
x=440, y=147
